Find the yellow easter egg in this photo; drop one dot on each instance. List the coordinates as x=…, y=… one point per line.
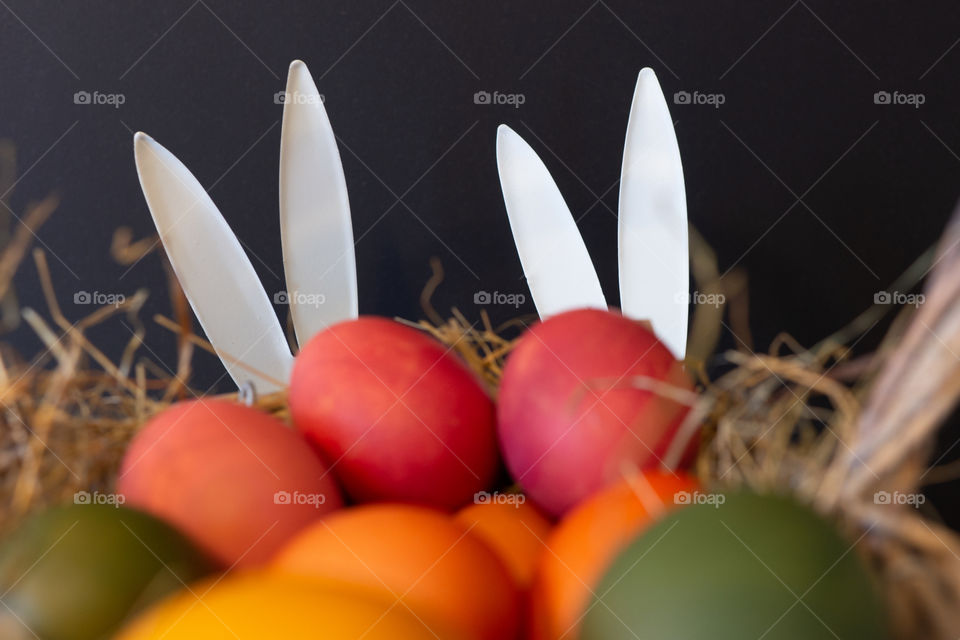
x=258, y=605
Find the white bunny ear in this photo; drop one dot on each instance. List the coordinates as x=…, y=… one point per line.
x=315, y=226
x=653, y=244
x=213, y=270
x=559, y=271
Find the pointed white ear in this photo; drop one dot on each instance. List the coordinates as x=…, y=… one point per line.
x=315, y=225
x=213, y=270
x=559, y=271
x=653, y=244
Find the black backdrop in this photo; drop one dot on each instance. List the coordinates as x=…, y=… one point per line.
x=823, y=195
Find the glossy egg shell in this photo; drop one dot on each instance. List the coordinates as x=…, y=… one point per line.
x=398, y=413
x=236, y=480
x=569, y=420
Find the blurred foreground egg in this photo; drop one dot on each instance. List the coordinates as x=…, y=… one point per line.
x=588, y=539
x=77, y=572
x=513, y=528
x=260, y=606
x=517, y=532
x=753, y=566
x=416, y=555
x=236, y=480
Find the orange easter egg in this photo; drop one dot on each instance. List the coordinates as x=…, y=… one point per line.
x=512, y=527
x=415, y=556
x=588, y=539
x=256, y=606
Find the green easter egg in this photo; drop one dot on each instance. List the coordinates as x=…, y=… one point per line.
x=755, y=566
x=77, y=572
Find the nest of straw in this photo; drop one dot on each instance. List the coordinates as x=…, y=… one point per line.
x=829, y=429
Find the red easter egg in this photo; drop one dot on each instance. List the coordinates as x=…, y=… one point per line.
x=571, y=415
x=397, y=414
x=236, y=480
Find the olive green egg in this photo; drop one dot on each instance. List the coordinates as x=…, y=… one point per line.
x=755, y=566
x=77, y=572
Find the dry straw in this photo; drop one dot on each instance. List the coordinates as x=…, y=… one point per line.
x=837, y=433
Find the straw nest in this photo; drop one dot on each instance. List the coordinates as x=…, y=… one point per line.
x=834, y=431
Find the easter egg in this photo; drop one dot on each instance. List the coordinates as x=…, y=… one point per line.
x=401, y=416
x=571, y=415
x=752, y=566
x=588, y=539
x=236, y=480
x=513, y=528
x=77, y=572
x=412, y=554
x=259, y=606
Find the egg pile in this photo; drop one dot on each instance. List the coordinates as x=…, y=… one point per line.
x=401, y=502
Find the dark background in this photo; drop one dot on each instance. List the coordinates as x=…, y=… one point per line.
x=823, y=196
